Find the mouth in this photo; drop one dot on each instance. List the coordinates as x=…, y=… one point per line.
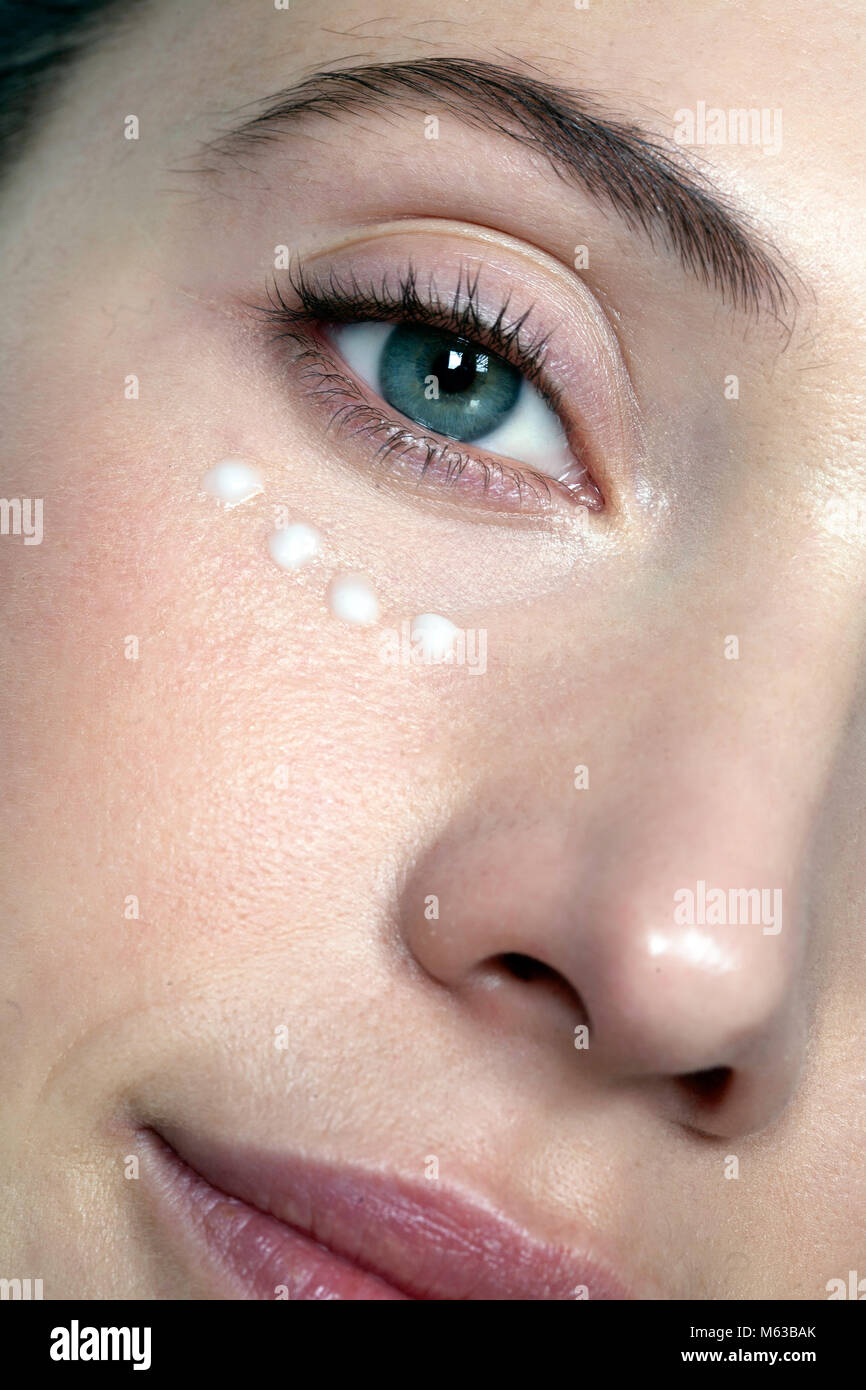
x=286, y=1228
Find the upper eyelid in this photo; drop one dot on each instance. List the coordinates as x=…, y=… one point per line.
x=458, y=312
x=613, y=160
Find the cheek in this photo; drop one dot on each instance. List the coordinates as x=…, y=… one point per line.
x=196, y=729
x=199, y=749
x=210, y=766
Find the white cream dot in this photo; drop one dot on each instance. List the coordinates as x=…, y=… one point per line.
x=352, y=598
x=434, y=636
x=293, y=546
x=233, y=481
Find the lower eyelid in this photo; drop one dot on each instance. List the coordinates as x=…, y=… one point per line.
x=422, y=459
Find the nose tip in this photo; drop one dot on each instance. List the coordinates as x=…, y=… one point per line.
x=697, y=1013
x=711, y=1009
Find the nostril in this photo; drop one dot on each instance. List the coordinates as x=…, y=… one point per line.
x=709, y=1086
x=531, y=971
x=527, y=968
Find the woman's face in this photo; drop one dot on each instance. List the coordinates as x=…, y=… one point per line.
x=568, y=927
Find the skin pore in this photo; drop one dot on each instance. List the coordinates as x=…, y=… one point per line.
x=239, y=830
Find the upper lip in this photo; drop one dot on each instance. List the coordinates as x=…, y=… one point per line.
x=425, y=1241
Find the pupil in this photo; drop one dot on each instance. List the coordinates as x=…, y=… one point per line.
x=455, y=369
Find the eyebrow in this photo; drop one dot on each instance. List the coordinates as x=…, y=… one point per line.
x=613, y=161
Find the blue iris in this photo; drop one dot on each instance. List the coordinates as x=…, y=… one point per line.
x=445, y=383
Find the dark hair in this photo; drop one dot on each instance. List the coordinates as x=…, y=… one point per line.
x=37, y=43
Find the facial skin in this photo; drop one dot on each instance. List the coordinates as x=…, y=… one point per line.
x=282, y=803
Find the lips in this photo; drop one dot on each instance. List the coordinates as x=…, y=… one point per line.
x=282, y=1227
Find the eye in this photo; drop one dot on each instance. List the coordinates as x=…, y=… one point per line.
x=442, y=388
x=458, y=388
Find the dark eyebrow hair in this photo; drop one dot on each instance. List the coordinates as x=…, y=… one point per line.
x=613, y=161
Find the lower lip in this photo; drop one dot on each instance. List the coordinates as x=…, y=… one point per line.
x=256, y=1255
x=442, y=1249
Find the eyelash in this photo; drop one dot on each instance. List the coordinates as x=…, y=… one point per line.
x=339, y=302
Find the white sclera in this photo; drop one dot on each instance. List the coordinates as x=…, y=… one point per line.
x=352, y=598
x=233, y=481
x=294, y=546
x=435, y=636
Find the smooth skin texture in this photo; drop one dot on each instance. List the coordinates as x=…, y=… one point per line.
x=282, y=803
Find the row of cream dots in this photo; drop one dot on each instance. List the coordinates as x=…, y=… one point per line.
x=351, y=597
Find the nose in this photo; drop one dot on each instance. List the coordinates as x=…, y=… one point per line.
x=658, y=922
